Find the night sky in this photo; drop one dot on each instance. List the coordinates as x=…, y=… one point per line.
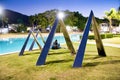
x=31, y=7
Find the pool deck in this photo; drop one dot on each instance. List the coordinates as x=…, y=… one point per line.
x=20, y=35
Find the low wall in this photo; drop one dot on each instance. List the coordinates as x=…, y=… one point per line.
x=4, y=30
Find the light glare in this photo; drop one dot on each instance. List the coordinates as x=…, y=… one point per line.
x=61, y=15
x=1, y=10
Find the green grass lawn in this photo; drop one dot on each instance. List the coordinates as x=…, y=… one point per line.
x=59, y=65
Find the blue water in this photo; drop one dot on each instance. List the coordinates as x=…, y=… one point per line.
x=10, y=45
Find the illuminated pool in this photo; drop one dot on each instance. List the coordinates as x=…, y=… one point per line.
x=11, y=45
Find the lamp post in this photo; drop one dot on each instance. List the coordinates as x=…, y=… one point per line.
x=1, y=14
x=1, y=10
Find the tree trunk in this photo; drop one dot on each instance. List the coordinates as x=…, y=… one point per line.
x=110, y=26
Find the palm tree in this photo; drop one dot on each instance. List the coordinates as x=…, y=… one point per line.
x=110, y=15
x=119, y=14
x=119, y=8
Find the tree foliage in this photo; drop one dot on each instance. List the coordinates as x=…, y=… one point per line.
x=71, y=18
x=21, y=28
x=112, y=16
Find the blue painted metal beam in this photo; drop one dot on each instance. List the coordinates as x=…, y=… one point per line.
x=31, y=47
x=81, y=50
x=24, y=46
x=42, y=58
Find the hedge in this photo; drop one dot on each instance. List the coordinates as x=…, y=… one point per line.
x=116, y=35
x=108, y=35
x=103, y=36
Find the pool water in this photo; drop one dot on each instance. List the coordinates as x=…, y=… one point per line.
x=11, y=45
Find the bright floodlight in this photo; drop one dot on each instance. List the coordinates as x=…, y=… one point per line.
x=1, y=10
x=61, y=15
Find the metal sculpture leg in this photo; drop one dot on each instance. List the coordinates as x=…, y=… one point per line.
x=24, y=46
x=31, y=47
x=81, y=50
x=36, y=41
x=42, y=58
x=67, y=38
x=42, y=37
x=98, y=40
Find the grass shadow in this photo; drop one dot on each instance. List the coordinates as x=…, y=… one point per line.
x=111, y=62
x=32, y=53
x=51, y=52
x=91, y=51
x=92, y=64
x=97, y=57
x=91, y=57
x=59, y=61
x=56, y=53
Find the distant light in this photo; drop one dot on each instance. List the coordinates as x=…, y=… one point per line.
x=61, y=15
x=1, y=10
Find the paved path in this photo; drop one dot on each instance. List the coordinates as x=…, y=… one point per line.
x=106, y=44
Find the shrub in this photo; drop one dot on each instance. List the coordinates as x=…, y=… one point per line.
x=109, y=35
x=21, y=28
x=116, y=35
x=103, y=36
x=91, y=37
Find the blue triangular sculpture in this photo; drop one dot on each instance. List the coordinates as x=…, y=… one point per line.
x=80, y=54
x=42, y=57
x=25, y=44
x=31, y=47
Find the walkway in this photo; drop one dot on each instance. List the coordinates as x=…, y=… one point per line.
x=106, y=44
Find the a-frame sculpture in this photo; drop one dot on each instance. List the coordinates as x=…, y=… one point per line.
x=80, y=54
x=31, y=47
x=42, y=58
x=25, y=44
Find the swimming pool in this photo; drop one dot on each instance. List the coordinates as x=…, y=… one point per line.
x=11, y=45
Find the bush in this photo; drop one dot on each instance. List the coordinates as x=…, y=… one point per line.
x=109, y=35
x=91, y=37
x=103, y=36
x=21, y=28
x=116, y=35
